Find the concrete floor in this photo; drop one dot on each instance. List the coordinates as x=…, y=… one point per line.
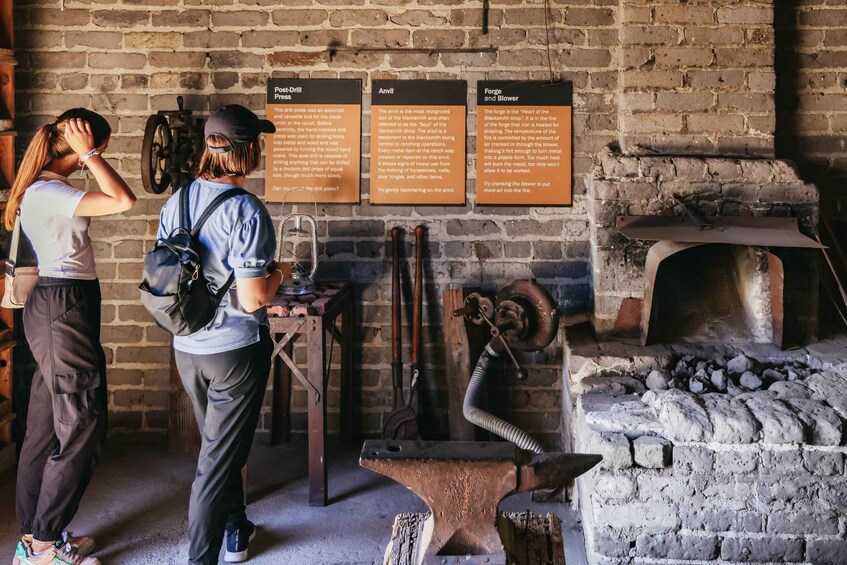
x=137, y=507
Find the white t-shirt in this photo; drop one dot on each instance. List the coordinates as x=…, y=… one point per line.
x=60, y=239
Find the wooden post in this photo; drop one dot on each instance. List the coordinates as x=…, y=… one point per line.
x=462, y=346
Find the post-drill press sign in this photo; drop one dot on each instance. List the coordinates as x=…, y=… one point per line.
x=317, y=144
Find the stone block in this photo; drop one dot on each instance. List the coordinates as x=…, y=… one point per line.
x=803, y=520
x=664, y=487
x=791, y=389
x=736, y=462
x=609, y=486
x=823, y=425
x=652, y=452
x=650, y=517
x=831, y=388
x=779, y=424
x=731, y=421
x=781, y=462
x=625, y=414
x=681, y=547
x=774, y=550
x=614, y=448
x=683, y=417
x=721, y=519
x=611, y=545
x=823, y=462
x=693, y=459
x=826, y=552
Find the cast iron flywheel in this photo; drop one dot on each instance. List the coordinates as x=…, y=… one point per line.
x=156, y=155
x=533, y=308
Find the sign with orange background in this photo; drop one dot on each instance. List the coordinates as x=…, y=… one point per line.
x=418, y=142
x=317, y=144
x=524, y=143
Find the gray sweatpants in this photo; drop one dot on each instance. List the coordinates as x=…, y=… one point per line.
x=66, y=423
x=226, y=390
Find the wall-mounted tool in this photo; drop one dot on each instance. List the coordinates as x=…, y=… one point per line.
x=297, y=246
x=401, y=422
x=521, y=317
x=172, y=146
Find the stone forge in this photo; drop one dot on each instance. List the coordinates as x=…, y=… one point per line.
x=668, y=291
x=754, y=474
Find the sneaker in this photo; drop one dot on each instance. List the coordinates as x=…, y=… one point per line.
x=54, y=555
x=84, y=545
x=237, y=541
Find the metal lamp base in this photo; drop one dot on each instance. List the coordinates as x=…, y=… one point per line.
x=297, y=285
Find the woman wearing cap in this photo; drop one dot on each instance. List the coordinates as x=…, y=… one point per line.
x=224, y=367
x=66, y=424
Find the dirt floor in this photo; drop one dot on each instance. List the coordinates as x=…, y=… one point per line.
x=137, y=508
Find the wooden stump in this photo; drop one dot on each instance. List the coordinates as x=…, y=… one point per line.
x=528, y=538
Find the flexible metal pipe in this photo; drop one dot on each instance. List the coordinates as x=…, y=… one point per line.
x=489, y=421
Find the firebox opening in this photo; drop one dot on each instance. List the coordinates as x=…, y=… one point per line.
x=712, y=293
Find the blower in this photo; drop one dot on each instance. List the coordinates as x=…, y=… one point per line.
x=521, y=317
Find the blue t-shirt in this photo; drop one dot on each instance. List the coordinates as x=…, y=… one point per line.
x=238, y=236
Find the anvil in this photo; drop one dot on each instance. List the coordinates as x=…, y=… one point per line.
x=463, y=483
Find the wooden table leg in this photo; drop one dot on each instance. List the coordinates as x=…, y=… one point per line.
x=316, y=336
x=346, y=415
x=281, y=397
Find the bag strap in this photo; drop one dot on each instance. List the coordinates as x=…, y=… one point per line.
x=213, y=205
x=14, y=247
x=219, y=199
x=184, y=221
x=219, y=295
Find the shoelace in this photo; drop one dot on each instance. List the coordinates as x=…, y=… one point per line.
x=68, y=551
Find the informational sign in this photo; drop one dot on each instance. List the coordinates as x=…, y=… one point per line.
x=318, y=139
x=523, y=143
x=418, y=142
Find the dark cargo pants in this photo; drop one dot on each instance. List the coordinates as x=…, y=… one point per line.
x=66, y=424
x=226, y=390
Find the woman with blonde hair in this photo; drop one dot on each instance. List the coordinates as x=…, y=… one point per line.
x=224, y=366
x=66, y=424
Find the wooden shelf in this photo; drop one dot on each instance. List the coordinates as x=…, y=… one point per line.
x=7, y=57
x=8, y=451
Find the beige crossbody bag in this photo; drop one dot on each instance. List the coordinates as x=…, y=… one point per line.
x=20, y=281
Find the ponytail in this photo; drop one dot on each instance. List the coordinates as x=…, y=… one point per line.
x=47, y=144
x=37, y=155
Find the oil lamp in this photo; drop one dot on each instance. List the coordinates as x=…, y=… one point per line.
x=297, y=245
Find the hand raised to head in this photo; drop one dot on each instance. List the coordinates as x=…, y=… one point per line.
x=78, y=135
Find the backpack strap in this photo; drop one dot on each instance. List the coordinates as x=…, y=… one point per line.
x=184, y=220
x=219, y=199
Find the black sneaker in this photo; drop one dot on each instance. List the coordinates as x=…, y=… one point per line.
x=237, y=541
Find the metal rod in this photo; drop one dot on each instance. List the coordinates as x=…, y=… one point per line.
x=415, y=49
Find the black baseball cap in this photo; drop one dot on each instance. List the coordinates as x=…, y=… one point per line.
x=237, y=124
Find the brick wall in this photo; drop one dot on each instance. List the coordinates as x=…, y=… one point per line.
x=811, y=60
x=128, y=59
x=697, y=77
